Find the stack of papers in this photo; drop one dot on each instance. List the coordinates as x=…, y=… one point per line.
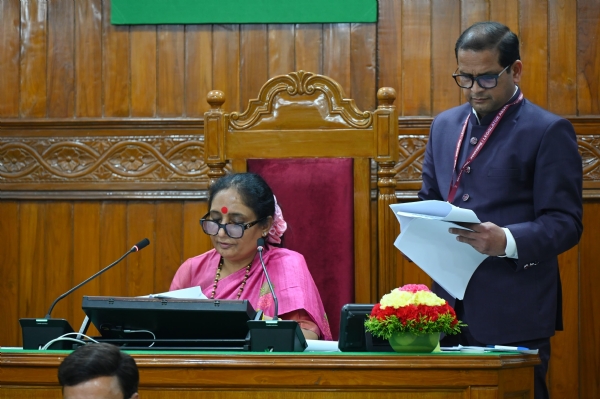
x=425, y=240
x=491, y=348
x=185, y=293
x=314, y=345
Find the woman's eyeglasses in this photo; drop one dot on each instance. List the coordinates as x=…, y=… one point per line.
x=484, y=81
x=233, y=230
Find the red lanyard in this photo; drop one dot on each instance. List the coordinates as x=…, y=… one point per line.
x=477, y=149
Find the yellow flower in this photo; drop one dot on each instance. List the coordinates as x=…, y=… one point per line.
x=427, y=298
x=397, y=299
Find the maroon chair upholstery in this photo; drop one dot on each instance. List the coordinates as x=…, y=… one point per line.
x=316, y=196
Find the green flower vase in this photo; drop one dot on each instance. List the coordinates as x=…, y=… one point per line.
x=406, y=342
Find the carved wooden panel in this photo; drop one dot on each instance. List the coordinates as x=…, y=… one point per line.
x=107, y=159
x=99, y=155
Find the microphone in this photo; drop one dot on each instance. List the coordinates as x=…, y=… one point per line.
x=274, y=335
x=45, y=333
x=137, y=247
x=260, y=247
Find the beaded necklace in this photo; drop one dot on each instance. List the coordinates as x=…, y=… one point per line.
x=218, y=276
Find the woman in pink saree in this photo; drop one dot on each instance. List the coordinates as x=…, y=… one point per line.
x=242, y=209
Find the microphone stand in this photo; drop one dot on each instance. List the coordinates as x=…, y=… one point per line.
x=37, y=332
x=274, y=335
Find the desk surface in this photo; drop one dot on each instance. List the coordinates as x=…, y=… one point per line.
x=28, y=374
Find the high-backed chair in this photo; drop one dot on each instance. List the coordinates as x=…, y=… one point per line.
x=315, y=149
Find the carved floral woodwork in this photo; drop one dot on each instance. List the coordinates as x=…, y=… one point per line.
x=124, y=158
x=33, y=152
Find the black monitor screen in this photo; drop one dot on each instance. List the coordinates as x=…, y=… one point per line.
x=169, y=318
x=353, y=337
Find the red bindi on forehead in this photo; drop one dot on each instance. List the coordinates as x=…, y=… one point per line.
x=224, y=210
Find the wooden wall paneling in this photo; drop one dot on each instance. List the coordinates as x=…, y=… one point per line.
x=254, y=64
x=114, y=242
x=589, y=320
x=374, y=256
x=32, y=257
x=58, y=257
x=86, y=254
x=336, y=54
x=226, y=64
x=168, y=243
x=141, y=223
x=171, y=70
x=473, y=11
x=9, y=271
x=389, y=48
x=533, y=35
x=563, y=373
x=116, y=67
x=416, y=58
x=364, y=249
x=562, y=57
x=445, y=30
x=10, y=17
x=588, y=57
x=143, y=70
x=88, y=58
x=505, y=12
x=363, y=66
x=61, y=50
x=194, y=241
x=309, y=48
x=33, y=59
x=198, y=69
x=281, y=47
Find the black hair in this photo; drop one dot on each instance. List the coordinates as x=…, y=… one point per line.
x=100, y=360
x=254, y=190
x=490, y=36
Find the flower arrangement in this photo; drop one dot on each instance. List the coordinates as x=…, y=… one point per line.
x=412, y=308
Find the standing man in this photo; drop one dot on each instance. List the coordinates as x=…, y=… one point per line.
x=99, y=371
x=518, y=168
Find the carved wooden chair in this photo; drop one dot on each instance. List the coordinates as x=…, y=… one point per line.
x=315, y=149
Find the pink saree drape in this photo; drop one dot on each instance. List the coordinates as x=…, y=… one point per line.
x=292, y=282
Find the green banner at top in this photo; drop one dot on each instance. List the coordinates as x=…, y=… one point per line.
x=137, y=12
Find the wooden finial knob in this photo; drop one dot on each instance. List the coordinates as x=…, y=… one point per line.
x=216, y=98
x=386, y=96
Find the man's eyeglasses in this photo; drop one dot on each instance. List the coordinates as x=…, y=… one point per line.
x=484, y=81
x=233, y=230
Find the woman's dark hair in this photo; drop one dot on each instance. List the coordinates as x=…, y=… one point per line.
x=254, y=190
x=100, y=360
x=490, y=36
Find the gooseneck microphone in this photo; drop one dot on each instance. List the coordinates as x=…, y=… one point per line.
x=260, y=247
x=274, y=335
x=137, y=247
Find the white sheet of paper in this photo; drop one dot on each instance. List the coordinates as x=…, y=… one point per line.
x=185, y=293
x=424, y=239
x=321, y=346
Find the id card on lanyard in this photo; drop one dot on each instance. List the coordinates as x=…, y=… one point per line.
x=486, y=135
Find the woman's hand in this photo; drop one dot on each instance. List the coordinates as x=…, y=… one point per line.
x=309, y=334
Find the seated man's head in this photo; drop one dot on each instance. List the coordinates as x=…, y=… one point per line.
x=99, y=371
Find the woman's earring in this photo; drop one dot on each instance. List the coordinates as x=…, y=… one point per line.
x=264, y=233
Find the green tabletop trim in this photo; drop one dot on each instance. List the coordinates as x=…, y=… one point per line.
x=248, y=353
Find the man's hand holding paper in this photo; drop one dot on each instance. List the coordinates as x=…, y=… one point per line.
x=486, y=238
x=424, y=238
